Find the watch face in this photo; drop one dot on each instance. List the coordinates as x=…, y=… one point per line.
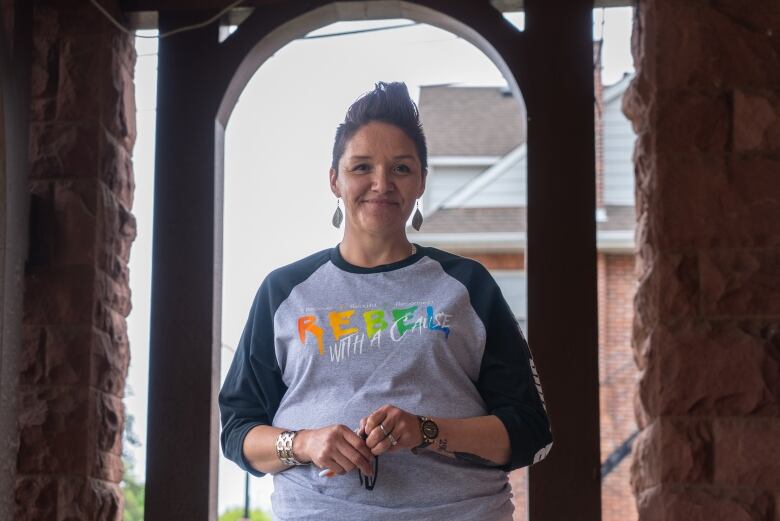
x=430, y=429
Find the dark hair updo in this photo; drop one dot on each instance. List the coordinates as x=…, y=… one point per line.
x=390, y=103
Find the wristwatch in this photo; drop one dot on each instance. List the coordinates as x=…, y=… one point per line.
x=429, y=431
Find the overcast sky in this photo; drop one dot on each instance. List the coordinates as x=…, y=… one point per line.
x=277, y=152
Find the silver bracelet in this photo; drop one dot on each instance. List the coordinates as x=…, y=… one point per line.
x=284, y=443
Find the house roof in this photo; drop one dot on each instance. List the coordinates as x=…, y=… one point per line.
x=471, y=121
x=459, y=219
x=614, y=90
x=514, y=219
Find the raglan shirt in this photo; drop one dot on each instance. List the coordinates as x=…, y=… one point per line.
x=328, y=342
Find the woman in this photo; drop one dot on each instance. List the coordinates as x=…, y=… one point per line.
x=382, y=347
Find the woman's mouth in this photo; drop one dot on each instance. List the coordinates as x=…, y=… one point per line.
x=381, y=202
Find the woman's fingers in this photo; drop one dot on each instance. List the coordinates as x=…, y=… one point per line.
x=343, y=463
x=338, y=448
x=359, y=456
x=388, y=423
x=383, y=446
x=375, y=418
x=358, y=443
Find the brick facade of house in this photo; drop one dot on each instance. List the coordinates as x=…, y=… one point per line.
x=617, y=376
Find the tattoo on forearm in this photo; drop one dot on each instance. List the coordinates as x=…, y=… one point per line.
x=473, y=458
x=441, y=448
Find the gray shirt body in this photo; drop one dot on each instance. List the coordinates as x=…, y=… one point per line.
x=346, y=340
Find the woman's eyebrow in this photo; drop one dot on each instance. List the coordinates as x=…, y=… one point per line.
x=405, y=156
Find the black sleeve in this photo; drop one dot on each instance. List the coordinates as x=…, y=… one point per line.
x=508, y=381
x=253, y=386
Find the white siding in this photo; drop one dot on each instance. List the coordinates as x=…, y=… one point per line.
x=506, y=190
x=618, y=149
x=513, y=284
x=443, y=181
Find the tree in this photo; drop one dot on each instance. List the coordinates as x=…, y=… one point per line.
x=235, y=514
x=132, y=488
x=134, y=494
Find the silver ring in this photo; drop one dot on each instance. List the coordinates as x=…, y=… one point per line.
x=393, y=441
x=383, y=430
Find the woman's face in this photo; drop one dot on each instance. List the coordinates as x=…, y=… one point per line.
x=379, y=178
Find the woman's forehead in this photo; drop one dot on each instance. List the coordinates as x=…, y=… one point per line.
x=380, y=138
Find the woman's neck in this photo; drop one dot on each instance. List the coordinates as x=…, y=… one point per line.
x=368, y=252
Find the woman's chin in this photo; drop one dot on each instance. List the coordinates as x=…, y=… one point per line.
x=382, y=226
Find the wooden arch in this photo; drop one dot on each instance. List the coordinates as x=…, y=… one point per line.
x=199, y=80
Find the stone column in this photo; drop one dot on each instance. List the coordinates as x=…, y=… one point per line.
x=75, y=348
x=705, y=105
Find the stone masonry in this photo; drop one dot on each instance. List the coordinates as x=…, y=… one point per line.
x=75, y=348
x=705, y=104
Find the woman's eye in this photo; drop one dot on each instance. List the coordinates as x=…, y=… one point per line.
x=361, y=167
x=404, y=168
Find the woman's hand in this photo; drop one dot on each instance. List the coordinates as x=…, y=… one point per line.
x=335, y=447
x=398, y=424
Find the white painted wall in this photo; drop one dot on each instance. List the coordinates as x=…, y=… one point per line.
x=619, y=140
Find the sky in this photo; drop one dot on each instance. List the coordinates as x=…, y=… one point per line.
x=277, y=203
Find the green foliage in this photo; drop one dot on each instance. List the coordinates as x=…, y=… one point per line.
x=132, y=489
x=234, y=514
x=134, y=495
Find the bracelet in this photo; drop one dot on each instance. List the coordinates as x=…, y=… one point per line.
x=284, y=444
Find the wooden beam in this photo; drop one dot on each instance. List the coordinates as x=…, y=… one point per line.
x=185, y=336
x=142, y=14
x=562, y=295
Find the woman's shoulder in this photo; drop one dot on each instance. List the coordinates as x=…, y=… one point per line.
x=460, y=264
x=304, y=266
x=281, y=280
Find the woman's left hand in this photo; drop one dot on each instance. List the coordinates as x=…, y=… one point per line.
x=398, y=424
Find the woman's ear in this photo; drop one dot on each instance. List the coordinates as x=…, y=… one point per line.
x=334, y=176
x=422, y=182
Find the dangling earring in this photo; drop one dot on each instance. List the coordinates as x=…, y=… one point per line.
x=337, y=215
x=417, y=220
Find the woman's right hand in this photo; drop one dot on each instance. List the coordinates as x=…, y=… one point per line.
x=335, y=447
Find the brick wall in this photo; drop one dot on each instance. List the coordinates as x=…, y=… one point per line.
x=75, y=349
x=499, y=261
x=617, y=376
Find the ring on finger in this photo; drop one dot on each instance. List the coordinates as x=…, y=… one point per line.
x=382, y=427
x=393, y=441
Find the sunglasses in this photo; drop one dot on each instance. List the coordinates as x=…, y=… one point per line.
x=368, y=481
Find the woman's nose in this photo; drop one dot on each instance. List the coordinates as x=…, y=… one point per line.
x=383, y=180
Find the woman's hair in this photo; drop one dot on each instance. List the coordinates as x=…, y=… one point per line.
x=390, y=103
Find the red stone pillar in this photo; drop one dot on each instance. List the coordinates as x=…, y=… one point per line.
x=705, y=105
x=75, y=348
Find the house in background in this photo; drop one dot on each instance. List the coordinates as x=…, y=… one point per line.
x=475, y=205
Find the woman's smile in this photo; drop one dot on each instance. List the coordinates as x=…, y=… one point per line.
x=381, y=202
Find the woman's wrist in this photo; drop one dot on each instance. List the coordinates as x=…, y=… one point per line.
x=300, y=446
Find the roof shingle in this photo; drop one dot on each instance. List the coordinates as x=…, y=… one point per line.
x=471, y=121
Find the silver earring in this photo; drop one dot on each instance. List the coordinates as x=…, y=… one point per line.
x=337, y=215
x=417, y=220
